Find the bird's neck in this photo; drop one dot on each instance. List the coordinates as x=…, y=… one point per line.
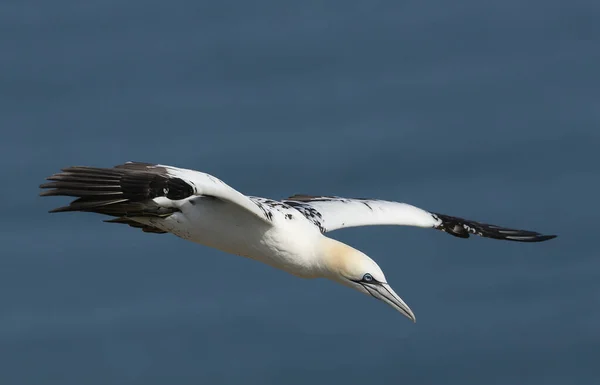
x=334, y=257
x=324, y=258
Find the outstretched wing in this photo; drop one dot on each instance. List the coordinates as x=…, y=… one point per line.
x=140, y=189
x=332, y=213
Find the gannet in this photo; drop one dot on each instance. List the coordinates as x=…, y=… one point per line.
x=288, y=234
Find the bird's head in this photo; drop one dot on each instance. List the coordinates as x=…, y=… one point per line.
x=352, y=268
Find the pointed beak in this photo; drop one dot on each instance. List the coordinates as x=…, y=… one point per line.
x=385, y=293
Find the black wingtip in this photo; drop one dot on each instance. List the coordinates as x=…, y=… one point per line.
x=536, y=238
x=463, y=228
x=455, y=228
x=59, y=210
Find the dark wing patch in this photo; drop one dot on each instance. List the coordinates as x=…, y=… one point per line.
x=462, y=228
x=124, y=190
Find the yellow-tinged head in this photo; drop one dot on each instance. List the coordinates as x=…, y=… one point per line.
x=352, y=268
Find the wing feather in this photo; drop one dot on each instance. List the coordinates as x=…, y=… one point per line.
x=206, y=184
x=141, y=189
x=332, y=213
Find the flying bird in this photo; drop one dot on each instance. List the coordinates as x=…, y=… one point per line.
x=287, y=234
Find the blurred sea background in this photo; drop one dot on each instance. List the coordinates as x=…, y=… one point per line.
x=485, y=110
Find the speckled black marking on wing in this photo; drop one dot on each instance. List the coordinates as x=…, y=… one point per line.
x=301, y=202
x=270, y=206
x=309, y=213
x=462, y=228
x=325, y=198
x=124, y=190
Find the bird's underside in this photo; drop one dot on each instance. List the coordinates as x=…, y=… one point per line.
x=141, y=190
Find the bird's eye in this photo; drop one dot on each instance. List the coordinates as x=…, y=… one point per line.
x=367, y=277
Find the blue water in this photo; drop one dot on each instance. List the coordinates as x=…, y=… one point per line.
x=485, y=110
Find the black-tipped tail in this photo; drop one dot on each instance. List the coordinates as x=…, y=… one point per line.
x=463, y=228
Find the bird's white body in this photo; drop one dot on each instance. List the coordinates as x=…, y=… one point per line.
x=287, y=234
x=289, y=245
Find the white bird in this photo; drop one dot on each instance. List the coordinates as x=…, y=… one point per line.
x=287, y=234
